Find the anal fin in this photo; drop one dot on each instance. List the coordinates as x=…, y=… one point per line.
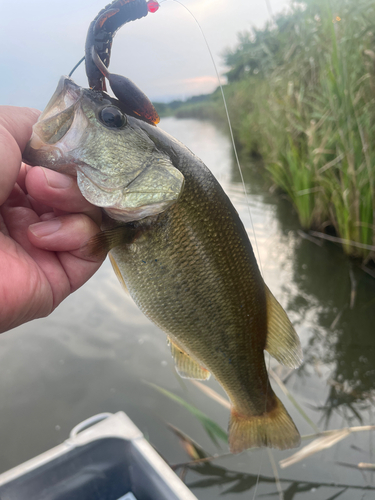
x=186, y=367
x=282, y=340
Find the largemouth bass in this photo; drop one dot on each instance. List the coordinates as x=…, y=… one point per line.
x=180, y=248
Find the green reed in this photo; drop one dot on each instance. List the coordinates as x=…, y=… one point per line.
x=302, y=94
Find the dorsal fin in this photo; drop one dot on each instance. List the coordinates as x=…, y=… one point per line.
x=186, y=367
x=282, y=340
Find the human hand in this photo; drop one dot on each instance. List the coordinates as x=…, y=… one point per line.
x=44, y=222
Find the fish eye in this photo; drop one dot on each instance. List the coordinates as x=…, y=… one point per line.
x=112, y=117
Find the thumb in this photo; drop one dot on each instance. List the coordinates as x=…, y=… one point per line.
x=15, y=130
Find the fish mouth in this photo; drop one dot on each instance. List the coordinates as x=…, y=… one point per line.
x=63, y=99
x=46, y=147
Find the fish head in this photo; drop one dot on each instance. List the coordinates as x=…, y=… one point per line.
x=85, y=133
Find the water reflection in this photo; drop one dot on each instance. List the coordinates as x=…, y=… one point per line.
x=343, y=337
x=340, y=297
x=233, y=482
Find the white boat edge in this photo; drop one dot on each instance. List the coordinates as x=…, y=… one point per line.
x=105, y=425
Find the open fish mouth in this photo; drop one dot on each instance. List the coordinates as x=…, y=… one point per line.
x=58, y=116
x=58, y=130
x=62, y=101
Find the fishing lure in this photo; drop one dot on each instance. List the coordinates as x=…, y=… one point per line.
x=98, y=52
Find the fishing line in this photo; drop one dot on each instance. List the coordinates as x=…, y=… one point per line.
x=269, y=9
x=241, y=175
x=76, y=66
x=229, y=124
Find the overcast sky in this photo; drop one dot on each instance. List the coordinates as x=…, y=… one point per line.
x=164, y=53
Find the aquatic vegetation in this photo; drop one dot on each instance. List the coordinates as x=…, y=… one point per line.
x=321, y=102
x=301, y=94
x=213, y=430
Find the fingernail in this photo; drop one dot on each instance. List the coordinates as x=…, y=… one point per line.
x=56, y=180
x=41, y=229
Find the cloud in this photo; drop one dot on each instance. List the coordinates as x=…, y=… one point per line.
x=164, y=53
x=200, y=80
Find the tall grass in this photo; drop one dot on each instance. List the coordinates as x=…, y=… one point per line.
x=302, y=95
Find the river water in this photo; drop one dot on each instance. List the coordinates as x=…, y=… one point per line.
x=96, y=353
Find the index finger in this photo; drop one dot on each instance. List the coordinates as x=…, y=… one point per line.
x=15, y=130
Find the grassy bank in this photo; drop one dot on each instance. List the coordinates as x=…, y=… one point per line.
x=308, y=88
x=203, y=107
x=301, y=94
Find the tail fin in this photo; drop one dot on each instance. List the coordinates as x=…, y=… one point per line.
x=275, y=429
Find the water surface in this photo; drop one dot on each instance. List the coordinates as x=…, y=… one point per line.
x=97, y=352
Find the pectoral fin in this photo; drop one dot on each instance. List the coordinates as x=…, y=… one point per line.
x=100, y=244
x=185, y=366
x=282, y=340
